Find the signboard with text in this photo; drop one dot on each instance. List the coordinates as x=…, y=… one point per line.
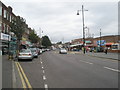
x=5, y=37
x=103, y=42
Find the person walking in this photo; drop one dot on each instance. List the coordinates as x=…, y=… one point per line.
x=106, y=49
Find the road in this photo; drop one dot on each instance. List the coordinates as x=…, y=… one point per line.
x=54, y=70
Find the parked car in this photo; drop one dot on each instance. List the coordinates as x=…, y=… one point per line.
x=43, y=50
x=34, y=51
x=63, y=51
x=40, y=51
x=25, y=54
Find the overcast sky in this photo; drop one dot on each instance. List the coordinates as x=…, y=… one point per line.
x=59, y=21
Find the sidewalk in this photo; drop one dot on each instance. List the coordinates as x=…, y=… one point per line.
x=113, y=56
x=6, y=72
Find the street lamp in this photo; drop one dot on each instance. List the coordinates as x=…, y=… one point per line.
x=83, y=26
x=100, y=40
x=87, y=32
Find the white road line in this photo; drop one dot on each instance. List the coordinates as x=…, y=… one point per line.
x=44, y=78
x=112, y=69
x=42, y=67
x=86, y=62
x=41, y=62
x=46, y=87
x=40, y=59
x=43, y=71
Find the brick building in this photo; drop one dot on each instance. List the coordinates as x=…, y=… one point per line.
x=106, y=41
x=6, y=18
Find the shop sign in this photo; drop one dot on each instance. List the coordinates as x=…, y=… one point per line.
x=103, y=42
x=5, y=37
x=87, y=41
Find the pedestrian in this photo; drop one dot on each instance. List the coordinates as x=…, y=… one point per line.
x=105, y=50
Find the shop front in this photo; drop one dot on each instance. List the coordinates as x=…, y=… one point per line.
x=5, y=39
x=100, y=45
x=109, y=45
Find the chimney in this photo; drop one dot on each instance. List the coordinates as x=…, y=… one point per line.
x=10, y=8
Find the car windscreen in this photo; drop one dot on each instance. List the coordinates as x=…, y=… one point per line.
x=25, y=51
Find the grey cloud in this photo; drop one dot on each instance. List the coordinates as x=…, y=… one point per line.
x=59, y=19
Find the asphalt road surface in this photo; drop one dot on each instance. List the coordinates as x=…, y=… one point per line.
x=54, y=70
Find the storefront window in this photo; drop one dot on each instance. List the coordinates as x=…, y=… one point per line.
x=114, y=46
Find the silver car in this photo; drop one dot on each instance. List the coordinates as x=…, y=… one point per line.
x=63, y=51
x=34, y=51
x=25, y=54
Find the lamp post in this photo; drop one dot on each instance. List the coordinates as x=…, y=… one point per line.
x=87, y=32
x=100, y=40
x=40, y=32
x=83, y=26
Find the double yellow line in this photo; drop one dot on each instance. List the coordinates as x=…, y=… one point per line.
x=25, y=82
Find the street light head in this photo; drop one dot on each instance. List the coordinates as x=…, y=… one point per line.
x=78, y=12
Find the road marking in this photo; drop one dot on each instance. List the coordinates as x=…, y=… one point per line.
x=112, y=69
x=41, y=62
x=42, y=67
x=41, y=59
x=44, y=78
x=25, y=77
x=46, y=87
x=86, y=62
x=23, y=82
x=43, y=71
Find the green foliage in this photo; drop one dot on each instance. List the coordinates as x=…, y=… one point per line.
x=33, y=37
x=59, y=42
x=46, y=41
x=18, y=27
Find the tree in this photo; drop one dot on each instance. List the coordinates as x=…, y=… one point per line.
x=33, y=37
x=59, y=42
x=18, y=28
x=46, y=41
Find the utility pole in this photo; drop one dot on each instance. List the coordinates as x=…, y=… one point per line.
x=100, y=40
x=83, y=27
x=40, y=34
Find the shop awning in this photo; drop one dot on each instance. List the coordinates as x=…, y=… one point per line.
x=108, y=44
x=75, y=45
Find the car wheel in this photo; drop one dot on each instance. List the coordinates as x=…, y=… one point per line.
x=18, y=59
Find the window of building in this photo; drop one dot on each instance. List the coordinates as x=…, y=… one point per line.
x=0, y=11
x=3, y=27
x=0, y=26
x=10, y=18
x=7, y=28
x=5, y=14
